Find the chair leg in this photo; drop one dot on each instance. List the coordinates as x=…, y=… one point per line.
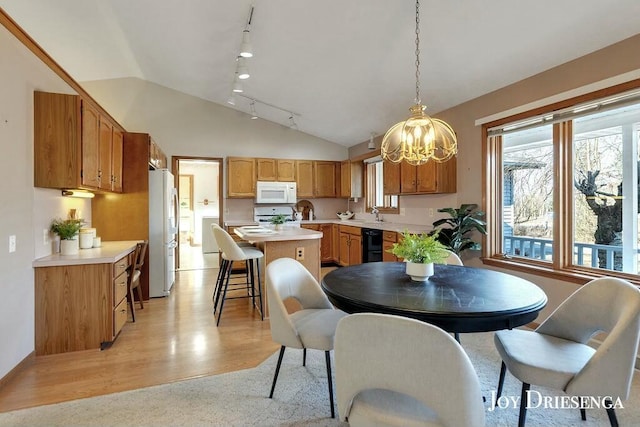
x=613, y=420
x=259, y=289
x=523, y=404
x=226, y=272
x=503, y=371
x=275, y=377
x=218, y=280
x=131, y=306
x=583, y=414
x=304, y=357
x=224, y=294
x=327, y=356
x=139, y=292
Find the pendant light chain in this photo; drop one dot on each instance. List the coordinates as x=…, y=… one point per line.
x=418, y=100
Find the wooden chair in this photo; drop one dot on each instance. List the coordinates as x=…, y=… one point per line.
x=134, y=276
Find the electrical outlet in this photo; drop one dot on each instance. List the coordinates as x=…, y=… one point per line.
x=300, y=254
x=12, y=243
x=430, y=212
x=45, y=236
x=402, y=211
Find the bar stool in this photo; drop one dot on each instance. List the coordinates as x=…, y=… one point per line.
x=232, y=252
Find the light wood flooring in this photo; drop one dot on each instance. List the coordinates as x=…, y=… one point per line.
x=173, y=338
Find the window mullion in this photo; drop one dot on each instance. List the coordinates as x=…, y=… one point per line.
x=563, y=195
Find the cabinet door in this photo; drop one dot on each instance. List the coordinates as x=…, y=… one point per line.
x=304, y=178
x=426, y=178
x=355, y=249
x=90, y=146
x=266, y=169
x=343, y=255
x=116, y=159
x=241, y=177
x=335, y=242
x=104, y=156
x=324, y=177
x=286, y=170
x=407, y=178
x=391, y=173
x=345, y=179
x=326, y=244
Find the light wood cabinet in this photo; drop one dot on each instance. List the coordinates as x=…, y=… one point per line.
x=351, y=179
x=350, y=245
x=117, y=160
x=276, y=170
x=304, y=178
x=335, y=242
x=157, y=157
x=388, y=239
x=431, y=177
x=324, y=178
x=326, y=243
x=391, y=173
x=73, y=144
x=79, y=307
x=241, y=177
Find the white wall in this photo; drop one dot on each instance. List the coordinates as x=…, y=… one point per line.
x=205, y=186
x=25, y=211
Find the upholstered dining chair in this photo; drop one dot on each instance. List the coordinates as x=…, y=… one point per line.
x=397, y=371
x=232, y=252
x=134, y=276
x=311, y=327
x=453, y=259
x=556, y=354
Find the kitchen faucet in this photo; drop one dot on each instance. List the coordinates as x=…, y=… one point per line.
x=376, y=212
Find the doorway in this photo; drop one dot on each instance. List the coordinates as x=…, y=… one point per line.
x=199, y=184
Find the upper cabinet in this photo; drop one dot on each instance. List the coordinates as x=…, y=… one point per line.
x=325, y=176
x=276, y=170
x=241, y=177
x=304, y=178
x=391, y=173
x=351, y=179
x=75, y=146
x=429, y=178
x=157, y=158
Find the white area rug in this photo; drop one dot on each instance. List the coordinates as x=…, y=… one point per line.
x=301, y=399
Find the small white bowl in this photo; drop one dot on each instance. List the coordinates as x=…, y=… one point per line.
x=345, y=215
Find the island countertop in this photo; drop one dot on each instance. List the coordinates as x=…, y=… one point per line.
x=109, y=252
x=264, y=234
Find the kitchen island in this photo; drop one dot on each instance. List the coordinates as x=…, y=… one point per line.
x=81, y=300
x=290, y=242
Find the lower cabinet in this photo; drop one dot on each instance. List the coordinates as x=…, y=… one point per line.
x=388, y=239
x=326, y=243
x=79, y=307
x=350, y=245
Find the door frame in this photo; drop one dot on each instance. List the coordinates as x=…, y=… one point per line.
x=175, y=169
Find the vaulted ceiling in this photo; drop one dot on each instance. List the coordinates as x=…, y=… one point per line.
x=345, y=68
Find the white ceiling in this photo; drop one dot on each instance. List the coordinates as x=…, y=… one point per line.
x=345, y=67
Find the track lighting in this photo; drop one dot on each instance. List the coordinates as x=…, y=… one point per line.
x=292, y=122
x=242, y=70
x=237, y=86
x=254, y=115
x=231, y=100
x=371, y=145
x=245, y=48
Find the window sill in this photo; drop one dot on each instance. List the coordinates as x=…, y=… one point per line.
x=569, y=275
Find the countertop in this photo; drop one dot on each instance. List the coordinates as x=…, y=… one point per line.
x=268, y=234
x=108, y=253
x=386, y=226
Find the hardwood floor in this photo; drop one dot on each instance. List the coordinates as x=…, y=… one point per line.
x=173, y=338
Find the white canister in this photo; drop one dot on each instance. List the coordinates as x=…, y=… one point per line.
x=86, y=237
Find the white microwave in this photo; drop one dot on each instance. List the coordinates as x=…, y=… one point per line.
x=276, y=192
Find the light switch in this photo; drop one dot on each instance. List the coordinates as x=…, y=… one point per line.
x=12, y=243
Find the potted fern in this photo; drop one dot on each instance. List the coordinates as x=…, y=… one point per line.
x=67, y=230
x=278, y=220
x=420, y=251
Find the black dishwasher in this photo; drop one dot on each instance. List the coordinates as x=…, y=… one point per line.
x=371, y=245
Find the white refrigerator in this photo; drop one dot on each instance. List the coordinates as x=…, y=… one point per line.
x=163, y=231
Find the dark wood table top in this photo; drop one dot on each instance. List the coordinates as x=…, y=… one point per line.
x=456, y=298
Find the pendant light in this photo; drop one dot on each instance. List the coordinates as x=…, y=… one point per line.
x=420, y=138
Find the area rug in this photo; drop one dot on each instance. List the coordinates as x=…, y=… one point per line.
x=301, y=399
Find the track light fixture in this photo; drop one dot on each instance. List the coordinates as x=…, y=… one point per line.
x=292, y=122
x=254, y=115
x=246, y=51
x=252, y=105
x=241, y=69
x=371, y=145
x=237, y=85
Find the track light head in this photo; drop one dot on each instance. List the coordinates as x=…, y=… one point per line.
x=246, y=51
x=242, y=70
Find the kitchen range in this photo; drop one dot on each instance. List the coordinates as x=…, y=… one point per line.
x=264, y=214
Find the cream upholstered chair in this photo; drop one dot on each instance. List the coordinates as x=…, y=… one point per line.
x=134, y=277
x=397, y=371
x=313, y=326
x=453, y=259
x=556, y=354
x=232, y=252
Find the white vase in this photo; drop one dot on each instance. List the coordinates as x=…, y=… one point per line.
x=69, y=247
x=419, y=272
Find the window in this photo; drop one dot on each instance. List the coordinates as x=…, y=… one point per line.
x=562, y=187
x=374, y=172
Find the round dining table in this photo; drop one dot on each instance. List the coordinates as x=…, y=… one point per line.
x=458, y=299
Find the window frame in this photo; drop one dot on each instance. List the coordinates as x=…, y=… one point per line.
x=367, y=190
x=561, y=266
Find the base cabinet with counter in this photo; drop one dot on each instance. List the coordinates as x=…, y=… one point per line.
x=81, y=301
x=350, y=245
